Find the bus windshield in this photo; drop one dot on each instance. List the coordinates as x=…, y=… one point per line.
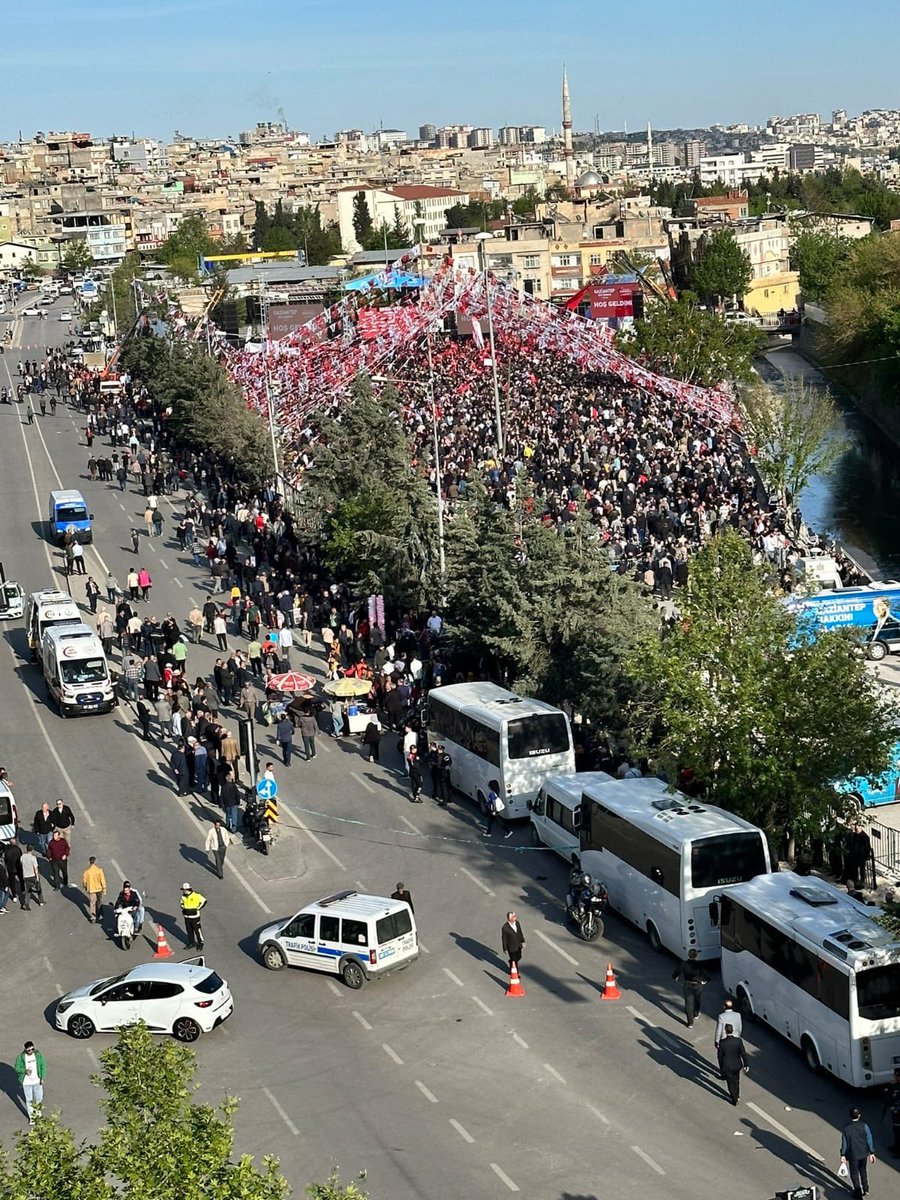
x=727, y=858
x=85, y=670
x=878, y=992
x=542, y=733
x=70, y=512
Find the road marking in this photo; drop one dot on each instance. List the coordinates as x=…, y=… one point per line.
x=359, y=883
x=484, y=1008
x=501, y=1174
x=424, y=948
x=48, y=964
x=639, y=1016
x=648, y=1160
x=408, y=822
x=93, y=1057
x=484, y=887
x=362, y=1020
x=782, y=1129
x=597, y=1113
x=559, y=950
x=520, y=1041
x=553, y=1071
x=456, y=979
x=462, y=1131
x=312, y=837
x=391, y=1053
x=287, y=1120
x=425, y=1092
x=178, y=582
x=122, y=506
x=163, y=563
x=334, y=987
x=359, y=779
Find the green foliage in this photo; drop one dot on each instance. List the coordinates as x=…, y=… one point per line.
x=863, y=305
x=373, y=514
x=820, y=257
x=363, y=224
x=526, y=204
x=156, y=1141
x=545, y=607
x=679, y=339
x=833, y=190
x=332, y=1189
x=118, y=292
x=723, y=270
x=184, y=247
x=767, y=717
x=301, y=229
x=77, y=256
x=477, y=214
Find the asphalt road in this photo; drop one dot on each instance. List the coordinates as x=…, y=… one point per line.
x=431, y=1081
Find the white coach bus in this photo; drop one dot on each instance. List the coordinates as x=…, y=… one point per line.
x=665, y=858
x=814, y=964
x=494, y=736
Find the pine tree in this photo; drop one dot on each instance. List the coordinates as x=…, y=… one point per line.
x=362, y=219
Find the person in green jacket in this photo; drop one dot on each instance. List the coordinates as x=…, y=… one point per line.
x=31, y=1070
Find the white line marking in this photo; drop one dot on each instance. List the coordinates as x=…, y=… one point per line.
x=334, y=987
x=599, y=1114
x=484, y=887
x=424, y=948
x=456, y=979
x=287, y=1120
x=520, y=1041
x=462, y=1131
x=639, y=1016
x=501, y=1174
x=362, y=1020
x=312, y=837
x=425, y=1092
x=391, y=1053
x=359, y=883
x=178, y=583
x=93, y=1057
x=559, y=950
x=553, y=1071
x=484, y=1008
x=414, y=828
x=782, y=1129
x=48, y=964
x=362, y=782
x=648, y=1160
x=122, y=506
x=163, y=563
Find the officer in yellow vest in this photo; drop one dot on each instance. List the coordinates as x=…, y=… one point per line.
x=191, y=904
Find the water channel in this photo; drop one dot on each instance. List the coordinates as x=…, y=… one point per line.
x=858, y=503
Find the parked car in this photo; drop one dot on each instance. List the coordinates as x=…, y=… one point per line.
x=65, y=315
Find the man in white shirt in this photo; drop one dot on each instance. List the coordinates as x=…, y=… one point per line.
x=217, y=842
x=285, y=645
x=728, y=1017
x=31, y=1069
x=410, y=742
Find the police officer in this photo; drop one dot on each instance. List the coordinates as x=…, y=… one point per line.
x=892, y=1105
x=693, y=978
x=440, y=763
x=191, y=904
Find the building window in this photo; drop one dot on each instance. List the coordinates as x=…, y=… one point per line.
x=597, y=260
x=530, y=262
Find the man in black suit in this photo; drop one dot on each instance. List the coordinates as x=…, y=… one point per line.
x=732, y=1060
x=513, y=939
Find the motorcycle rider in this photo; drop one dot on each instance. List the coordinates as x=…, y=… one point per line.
x=130, y=898
x=575, y=874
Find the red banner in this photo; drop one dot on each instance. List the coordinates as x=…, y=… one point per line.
x=611, y=300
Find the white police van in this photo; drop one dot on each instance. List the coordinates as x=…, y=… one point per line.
x=356, y=937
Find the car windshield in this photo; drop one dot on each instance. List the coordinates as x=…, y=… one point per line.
x=70, y=512
x=878, y=992
x=212, y=983
x=85, y=670
x=105, y=983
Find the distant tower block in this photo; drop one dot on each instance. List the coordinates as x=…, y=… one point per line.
x=567, y=132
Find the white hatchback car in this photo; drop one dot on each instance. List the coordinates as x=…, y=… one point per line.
x=181, y=998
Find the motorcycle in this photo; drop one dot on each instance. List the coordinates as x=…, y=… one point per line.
x=257, y=824
x=586, y=909
x=125, y=927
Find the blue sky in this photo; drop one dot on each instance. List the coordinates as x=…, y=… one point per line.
x=214, y=67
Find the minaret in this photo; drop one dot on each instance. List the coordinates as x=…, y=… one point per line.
x=650, y=150
x=567, y=132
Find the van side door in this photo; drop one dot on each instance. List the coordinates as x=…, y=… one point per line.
x=298, y=941
x=328, y=943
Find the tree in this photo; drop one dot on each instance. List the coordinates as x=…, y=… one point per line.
x=332, y=1189
x=157, y=1142
x=184, y=247
x=796, y=432
x=77, y=256
x=767, y=716
x=399, y=235
x=261, y=225
x=723, y=270
x=820, y=257
x=679, y=339
x=363, y=224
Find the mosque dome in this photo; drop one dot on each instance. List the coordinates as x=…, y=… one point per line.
x=588, y=179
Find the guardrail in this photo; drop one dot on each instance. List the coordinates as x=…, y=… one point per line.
x=885, y=848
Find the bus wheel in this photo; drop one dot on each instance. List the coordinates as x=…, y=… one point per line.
x=811, y=1056
x=654, y=939
x=744, y=1006
x=535, y=836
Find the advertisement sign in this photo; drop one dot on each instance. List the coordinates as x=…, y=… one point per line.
x=611, y=301
x=285, y=318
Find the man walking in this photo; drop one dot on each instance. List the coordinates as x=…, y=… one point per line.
x=308, y=729
x=179, y=765
x=93, y=881
x=403, y=895
x=58, y=853
x=732, y=1060
x=217, y=842
x=728, y=1017
x=32, y=1071
x=513, y=939
x=229, y=798
x=693, y=980
x=191, y=904
x=43, y=828
x=284, y=736
x=857, y=1151
x=31, y=877
x=63, y=819
x=415, y=777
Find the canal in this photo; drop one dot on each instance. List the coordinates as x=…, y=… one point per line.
x=858, y=503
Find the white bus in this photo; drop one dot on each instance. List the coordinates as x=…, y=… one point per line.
x=665, y=858
x=494, y=736
x=815, y=965
x=556, y=812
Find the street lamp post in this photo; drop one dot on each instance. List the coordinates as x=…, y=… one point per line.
x=270, y=389
x=481, y=238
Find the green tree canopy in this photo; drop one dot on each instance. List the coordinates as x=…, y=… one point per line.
x=820, y=257
x=723, y=270
x=184, y=247
x=77, y=257
x=679, y=339
x=767, y=717
x=363, y=224
x=863, y=305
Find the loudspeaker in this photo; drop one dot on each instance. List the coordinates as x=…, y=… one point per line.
x=808, y=1191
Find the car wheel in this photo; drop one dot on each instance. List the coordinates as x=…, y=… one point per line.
x=80, y=1027
x=353, y=975
x=653, y=938
x=877, y=651
x=811, y=1056
x=273, y=958
x=186, y=1029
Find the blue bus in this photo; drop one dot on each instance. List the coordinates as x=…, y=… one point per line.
x=885, y=789
x=68, y=511
x=869, y=607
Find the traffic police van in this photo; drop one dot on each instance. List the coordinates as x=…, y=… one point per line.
x=76, y=672
x=45, y=609
x=356, y=937
x=68, y=512
x=9, y=818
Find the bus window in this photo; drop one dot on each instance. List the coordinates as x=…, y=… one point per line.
x=727, y=858
x=878, y=992
x=543, y=733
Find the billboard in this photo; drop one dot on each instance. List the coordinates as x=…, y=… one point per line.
x=285, y=318
x=611, y=301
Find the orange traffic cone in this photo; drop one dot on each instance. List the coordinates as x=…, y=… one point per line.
x=611, y=991
x=515, y=987
x=162, y=946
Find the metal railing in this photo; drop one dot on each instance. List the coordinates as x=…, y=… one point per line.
x=885, y=848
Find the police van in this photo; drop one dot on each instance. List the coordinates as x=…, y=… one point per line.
x=9, y=818
x=45, y=609
x=68, y=513
x=76, y=672
x=356, y=937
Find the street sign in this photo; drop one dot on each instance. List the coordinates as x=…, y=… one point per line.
x=267, y=789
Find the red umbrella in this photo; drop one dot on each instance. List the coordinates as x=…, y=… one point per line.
x=291, y=681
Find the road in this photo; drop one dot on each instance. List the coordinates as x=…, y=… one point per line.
x=432, y=1081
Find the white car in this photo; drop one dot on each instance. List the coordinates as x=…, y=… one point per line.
x=65, y=315
x=182, y=998
x=32, y=311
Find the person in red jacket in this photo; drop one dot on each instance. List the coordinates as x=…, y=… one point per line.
x=58, y=852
